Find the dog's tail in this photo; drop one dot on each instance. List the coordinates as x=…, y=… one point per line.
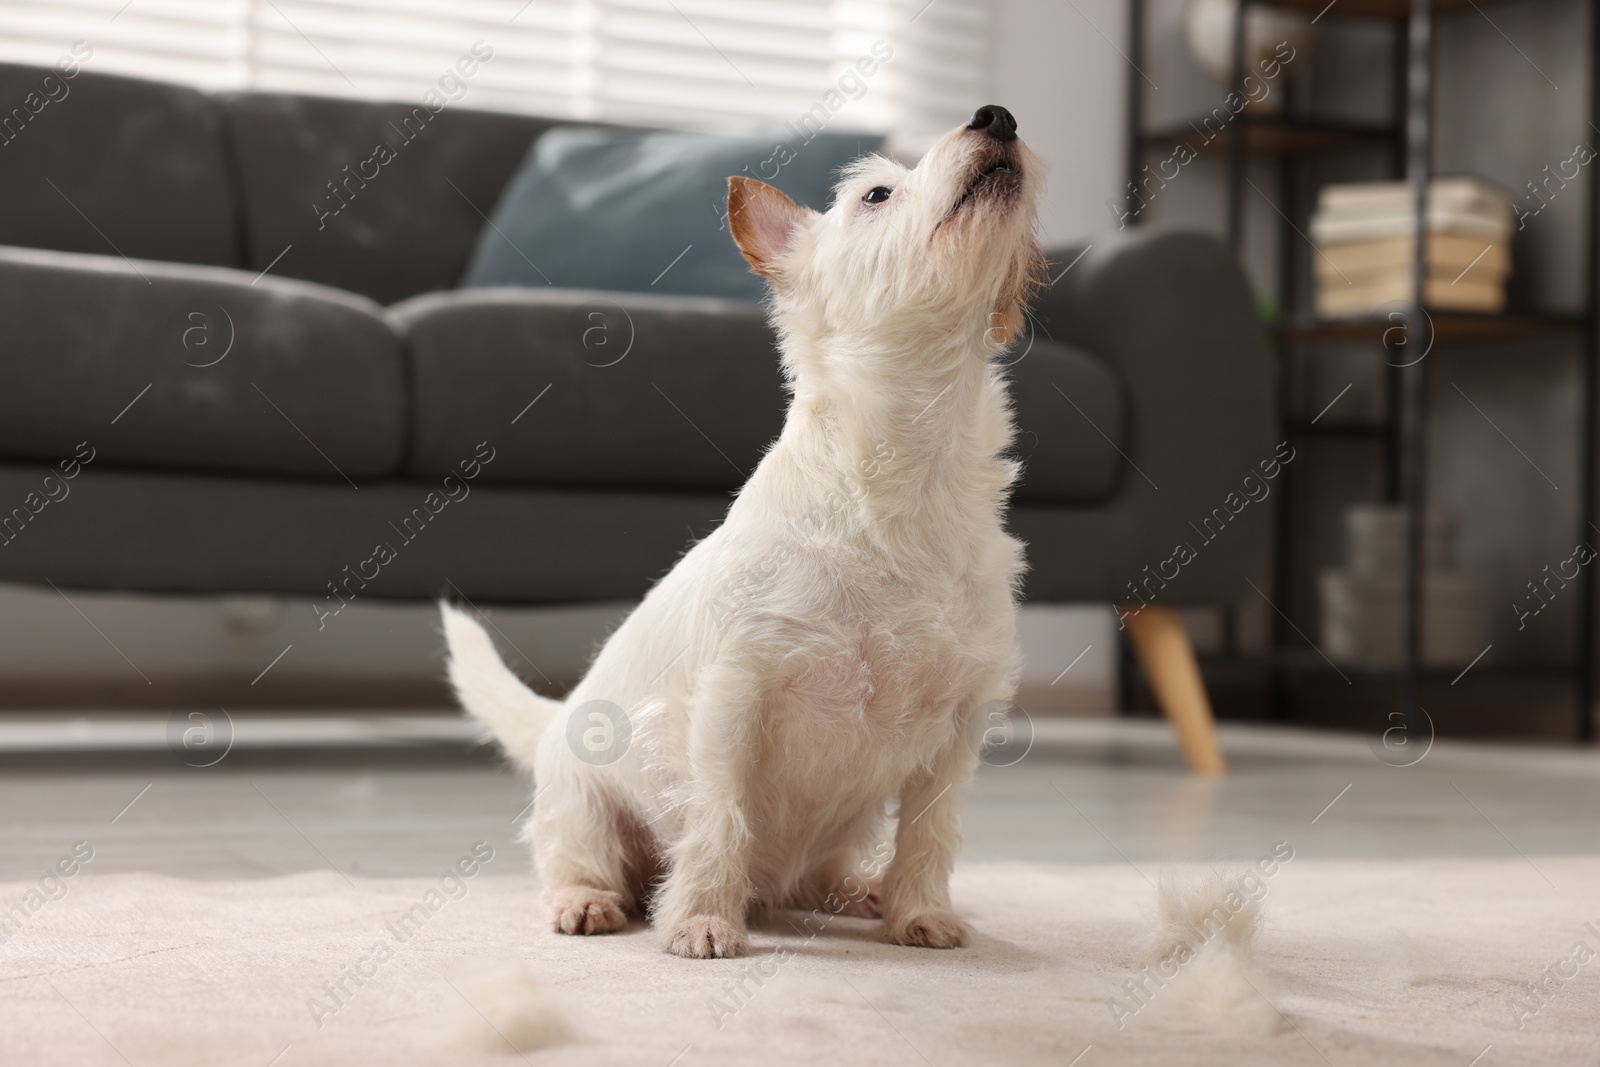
x=490, y=691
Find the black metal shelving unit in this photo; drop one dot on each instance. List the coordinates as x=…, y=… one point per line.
x=1408, y=139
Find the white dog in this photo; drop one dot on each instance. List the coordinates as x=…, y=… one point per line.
x=737, y=741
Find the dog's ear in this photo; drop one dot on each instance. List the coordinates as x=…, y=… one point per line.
x=763, y=222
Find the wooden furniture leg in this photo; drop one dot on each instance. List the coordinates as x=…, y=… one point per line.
x=1164, y=650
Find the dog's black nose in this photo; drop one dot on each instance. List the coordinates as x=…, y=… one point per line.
x=995, y=121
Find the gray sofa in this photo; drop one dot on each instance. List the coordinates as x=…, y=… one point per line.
x=146, y=229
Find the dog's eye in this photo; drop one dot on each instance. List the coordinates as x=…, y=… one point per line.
x=877, y=194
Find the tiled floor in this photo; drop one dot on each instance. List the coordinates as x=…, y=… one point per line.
x=1088, y=791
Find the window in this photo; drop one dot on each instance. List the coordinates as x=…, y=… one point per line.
x=694, y=64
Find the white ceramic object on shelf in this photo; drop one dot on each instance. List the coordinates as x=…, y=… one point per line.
x=1375, y=539
x=1364, y=601
x=1271, y=34
x=1364, y=614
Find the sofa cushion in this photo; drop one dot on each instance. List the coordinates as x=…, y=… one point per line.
x=642, y=211
x=382, y=199
x=170, y=365
x=631, y=389
x=636, y=390
x=113, y=165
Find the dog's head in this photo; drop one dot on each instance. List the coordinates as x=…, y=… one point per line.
x=946, y=249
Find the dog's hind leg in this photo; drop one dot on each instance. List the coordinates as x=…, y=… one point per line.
x=582, y=847
x=841, y=885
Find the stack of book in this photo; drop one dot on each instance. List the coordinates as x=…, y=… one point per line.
x=1365, y=235
x=1364, y=600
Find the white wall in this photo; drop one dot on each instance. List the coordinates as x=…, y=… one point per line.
x=1067, y=85
x=1061, y=68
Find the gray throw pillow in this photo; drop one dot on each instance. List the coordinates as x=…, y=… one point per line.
x=644, y=211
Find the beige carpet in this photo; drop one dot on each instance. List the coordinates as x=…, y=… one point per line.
x=1368, y=962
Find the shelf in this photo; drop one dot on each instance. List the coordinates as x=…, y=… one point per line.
x=1369, y=9
x=1404, y=141
x=1305, y=661
x=1272, y=136
x=1358, y=430
x=1447, y=326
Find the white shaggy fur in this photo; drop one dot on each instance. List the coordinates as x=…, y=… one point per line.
x=823, y=651
x=1219, y=987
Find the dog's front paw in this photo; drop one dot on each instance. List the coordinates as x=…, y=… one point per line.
x=704, y=937
x=582, y=909
x=929, y=929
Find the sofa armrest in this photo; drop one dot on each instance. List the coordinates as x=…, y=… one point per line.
x=1172, y=314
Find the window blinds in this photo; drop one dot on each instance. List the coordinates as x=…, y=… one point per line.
x=690, y=64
